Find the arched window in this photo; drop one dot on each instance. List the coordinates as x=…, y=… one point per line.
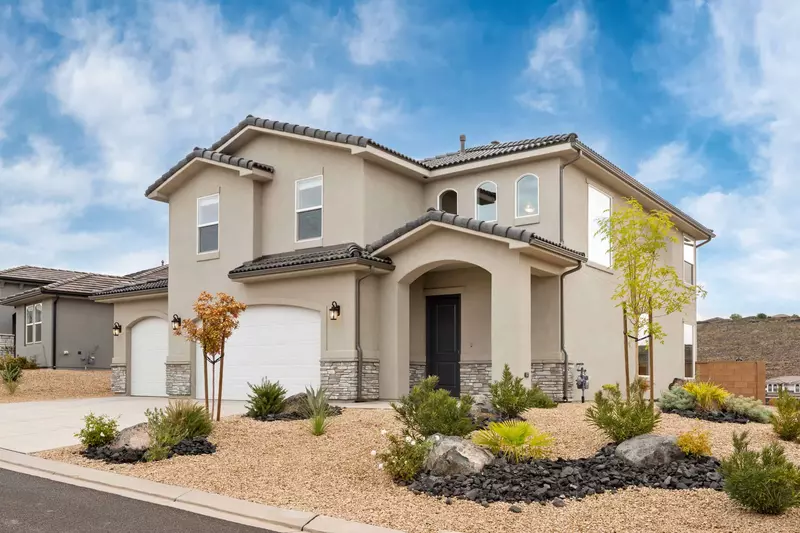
x=527, y=196
x=448, y=201
x=486, y=201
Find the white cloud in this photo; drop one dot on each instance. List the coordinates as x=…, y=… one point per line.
x=375, y=37
x=670, y=163
x=33, y=10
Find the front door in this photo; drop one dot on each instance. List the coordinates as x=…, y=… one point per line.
x=443, y=334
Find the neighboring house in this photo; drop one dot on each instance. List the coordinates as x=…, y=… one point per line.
x=50, y=312
x=353, y=283
x=791, y=384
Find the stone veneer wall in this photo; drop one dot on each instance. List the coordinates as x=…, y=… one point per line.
x=475, y=378
x=340, y=378
x=550, y=377
x=119, y=379
x=6, y=344
x=179, y=379
x=416, y=373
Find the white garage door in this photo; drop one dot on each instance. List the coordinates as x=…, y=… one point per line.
x=278, y=342
x=149, y=346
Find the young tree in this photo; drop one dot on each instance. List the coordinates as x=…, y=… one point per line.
x=215, y=319
x=647, y=287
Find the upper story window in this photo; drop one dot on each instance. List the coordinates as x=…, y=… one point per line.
x=33, y=324
x=208, y=224
x=448, y=201
x=527, y=196
x=308, y=209
x=689, y=251
x=688, y=350
x=599, y=209
x=486, y=201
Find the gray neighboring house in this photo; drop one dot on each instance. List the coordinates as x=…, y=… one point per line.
x=46, y=311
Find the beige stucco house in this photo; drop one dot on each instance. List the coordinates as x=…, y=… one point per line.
x=365, y=269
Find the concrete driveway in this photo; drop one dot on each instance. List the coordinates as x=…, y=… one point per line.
x=29, y=427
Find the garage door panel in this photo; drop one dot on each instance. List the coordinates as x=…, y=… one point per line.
x=149, y=348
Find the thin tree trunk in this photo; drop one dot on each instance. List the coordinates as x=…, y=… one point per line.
x=221, y=369
x=652, y=379
x=205, y=379
x=213, y=386
x=627, y=348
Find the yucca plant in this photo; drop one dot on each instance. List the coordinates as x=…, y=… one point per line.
x=516, y=439
x=709, y=396
x=11, y=376
x=317, y=408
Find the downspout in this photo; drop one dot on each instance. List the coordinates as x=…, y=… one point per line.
x=55, y=329
x=561, y=194
x=561, y=325
x=359, y=351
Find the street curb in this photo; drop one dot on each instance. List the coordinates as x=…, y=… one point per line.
x=196, y=501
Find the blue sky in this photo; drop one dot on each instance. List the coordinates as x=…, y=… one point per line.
x=696, y=98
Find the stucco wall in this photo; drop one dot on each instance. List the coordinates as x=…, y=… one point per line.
x=8, y=288
x=128, y=313
x=41, y=351
x=84, y=326
x=390, y=200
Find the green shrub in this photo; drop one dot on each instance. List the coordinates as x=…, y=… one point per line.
x=786, y=417
x=266, y=398
x=510, y=397
x=24, y=363
x=97, y=430
x=751, y=408
x=516, y=439
x=762, y=316
x=736, y=316
x=164, y=434
x=11, y=376
x=694, y=442
x=427, y=410
x=190, y=417
x=709, y=396
x=622, y=419
x=677, y=398
x=764, y=482
x=317, y=408
x=404, y=457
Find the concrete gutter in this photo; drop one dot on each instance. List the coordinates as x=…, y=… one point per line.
x=214, y=505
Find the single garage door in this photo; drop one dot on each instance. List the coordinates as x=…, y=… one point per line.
x=149, y=347
x=278, y=342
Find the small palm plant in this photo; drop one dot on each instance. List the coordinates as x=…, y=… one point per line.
x=516, y=439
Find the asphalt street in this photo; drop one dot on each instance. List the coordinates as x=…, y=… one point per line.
x=30, y=504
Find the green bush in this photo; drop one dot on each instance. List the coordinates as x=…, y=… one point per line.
x=762, y=316
x=97, y=430
x=190, y=417
x=786, y=417
x=427, y=410
x=516, y=439
x=24, y=363
x=764, y=482
x=164, y=434
x=709, y=396
x=694, y=443
x=748, y=407
x=266, y=398
x=677, y=398
x=11, y=376
x=404, y=457
x=622, y=419
x=736, y=316
x=318, y=409
x=510, y=397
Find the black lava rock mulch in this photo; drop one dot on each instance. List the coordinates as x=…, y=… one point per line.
x=546, y=480
x=333, y=410
x=194, y=446
x=713, y=416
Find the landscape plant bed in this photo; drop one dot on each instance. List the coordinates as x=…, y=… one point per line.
x=193, y=446
x=333, y=410
x=710, y=416
x=548, y=480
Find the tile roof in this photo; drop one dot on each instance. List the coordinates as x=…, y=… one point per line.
x=37, y=274
x=789, y=380
x=153, y=285
x=82, y=284
x=476, y=153
x=159, y=272
x=478, y=226
x=311, y=258
x=211, y=155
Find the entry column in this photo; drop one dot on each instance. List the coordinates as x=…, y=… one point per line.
x=511, y=318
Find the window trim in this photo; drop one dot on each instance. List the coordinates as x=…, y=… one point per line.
x=694, y=259
x=439, y=199
x=198, y=225
x=321, y=208
x=694, y=350
x=34, y=323
x=516, y=196
x=589, y=220
x=496, y=198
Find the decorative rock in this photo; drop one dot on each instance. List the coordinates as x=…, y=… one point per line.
x=677, y=382
x=649, y=451
x=558, y=502
x=134, y=437
x=295, y=405
x=712, y=416
x=515, y=509
x=454, y=456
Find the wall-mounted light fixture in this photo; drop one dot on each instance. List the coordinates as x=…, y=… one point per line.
x=117, y=329
x=334, y=311
x=176, y=322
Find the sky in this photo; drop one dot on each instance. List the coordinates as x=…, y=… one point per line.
x=695, y=98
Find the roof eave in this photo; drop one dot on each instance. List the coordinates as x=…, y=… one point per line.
x=130, y=295
x=254, y=174
x=307, y=267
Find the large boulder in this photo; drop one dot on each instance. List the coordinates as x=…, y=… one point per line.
x=133, y=438
x=296, y=405
x=647, y=451
x=453, y=456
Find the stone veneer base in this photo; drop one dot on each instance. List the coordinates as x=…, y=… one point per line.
x=416, y=373
x=340, y=379
x=475, y=378
x=179, y=379
x=550, y=377
x=119, y=379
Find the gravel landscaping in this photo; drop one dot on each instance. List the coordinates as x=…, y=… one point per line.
x=193, y=446
x=48, y=384
x=282, y=464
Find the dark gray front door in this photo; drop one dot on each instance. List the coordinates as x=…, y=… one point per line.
x=443, y=334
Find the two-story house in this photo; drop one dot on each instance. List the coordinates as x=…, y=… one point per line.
x=364, y=269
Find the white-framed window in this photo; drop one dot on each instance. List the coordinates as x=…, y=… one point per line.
x=599, y=209
x=308, y=208
x=643, y=348
x=772, y=387
x=527, y=196
x=33, y=324
x=448, y=201
x=688, y=351
x=689, y=255
x=486, y=201
x=208, y=224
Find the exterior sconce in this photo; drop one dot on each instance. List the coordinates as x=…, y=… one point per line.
x=117, y=329
x=334, y=311
x=176, y=322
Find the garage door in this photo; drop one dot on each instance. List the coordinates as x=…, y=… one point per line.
x=149, y=346
x=278, y=342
